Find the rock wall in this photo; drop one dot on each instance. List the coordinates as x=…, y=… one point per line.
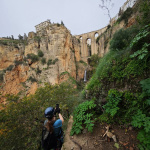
x=59, y=48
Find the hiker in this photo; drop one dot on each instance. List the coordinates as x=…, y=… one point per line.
x=52, y=134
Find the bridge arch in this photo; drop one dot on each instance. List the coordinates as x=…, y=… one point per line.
x=95, y=48
x=96, y=35
x=88, y=42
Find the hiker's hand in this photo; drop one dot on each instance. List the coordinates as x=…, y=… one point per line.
x=58, y=110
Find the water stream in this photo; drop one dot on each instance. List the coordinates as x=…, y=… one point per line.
x=85, y=76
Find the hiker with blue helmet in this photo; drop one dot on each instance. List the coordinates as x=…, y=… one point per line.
x=52, y=134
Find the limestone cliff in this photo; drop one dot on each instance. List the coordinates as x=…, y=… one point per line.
x=23, y=69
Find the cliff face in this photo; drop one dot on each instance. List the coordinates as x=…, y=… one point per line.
x=8, y=54
x=57, y=46
x=23, y=74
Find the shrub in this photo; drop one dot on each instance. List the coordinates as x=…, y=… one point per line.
x=10, y=68
x=63, y=73
x=58, y=25
x=93, y=60
x=114, y=97
x=122, y=38
x=125, y=16
x=1, y=76
x=33, y=57
x=37, y=38
x=18, y=62
x=49, y=62
x=83, y=116
x=38, y=71
x=40, y=53
x=4, y=42
x=43, y=61
x=83, y=62
x=54, y=61
x=144, y=8
x=32, y=79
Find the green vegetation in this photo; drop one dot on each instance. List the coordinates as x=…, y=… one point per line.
x=18, y=62
x=12, y=42
x=55, y=60
x=38, y=71
x=43, y=61
x=1, y=76
x=10, y=68
x=58, y=24
x=144, y=10
x=63, y=73
x=40, y=53
x=117, y=93
x=49, y=62
x=22, y=120
x=52, y=62
x=32, y=79
x=126, y=15
x=83, y=117
x=82, y=62
x=126, y=65
x=33, y=57
x=122, y=38
x=37, y=38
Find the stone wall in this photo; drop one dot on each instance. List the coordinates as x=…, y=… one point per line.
x=94, y=46
x=42, y=25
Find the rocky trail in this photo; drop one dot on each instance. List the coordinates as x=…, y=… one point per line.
x=126, y=138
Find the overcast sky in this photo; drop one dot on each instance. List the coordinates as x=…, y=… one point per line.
x=79, y=16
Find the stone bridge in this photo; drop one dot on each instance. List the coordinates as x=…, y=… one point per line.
x=91, y=47
x=88, y=43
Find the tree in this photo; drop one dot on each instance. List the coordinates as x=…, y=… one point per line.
x=12, y=37
x=107, y=6
x=62, y=23
x=20, y=37
x=25, y=37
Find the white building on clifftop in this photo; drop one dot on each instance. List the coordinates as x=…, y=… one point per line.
x=42, y=25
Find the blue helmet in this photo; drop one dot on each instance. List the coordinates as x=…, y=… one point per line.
x=49, y=112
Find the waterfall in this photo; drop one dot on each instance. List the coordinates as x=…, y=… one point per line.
x=85, y=76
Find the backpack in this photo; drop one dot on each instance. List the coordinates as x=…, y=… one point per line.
x=49, y=140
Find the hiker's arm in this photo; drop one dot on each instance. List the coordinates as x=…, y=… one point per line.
x=61, y=118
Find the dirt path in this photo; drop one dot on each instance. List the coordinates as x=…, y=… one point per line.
x=68, y=143
x=126, y=138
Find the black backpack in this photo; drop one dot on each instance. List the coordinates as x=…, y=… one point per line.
x=49, y=140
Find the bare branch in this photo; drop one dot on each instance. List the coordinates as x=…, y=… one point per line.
x=106, y=5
